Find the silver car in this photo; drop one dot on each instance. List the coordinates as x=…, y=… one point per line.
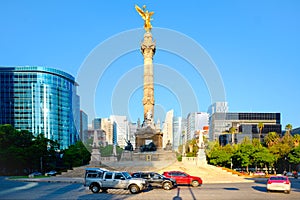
x=98, y=179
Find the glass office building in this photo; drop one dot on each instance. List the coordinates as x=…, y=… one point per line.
x=245, y=123
x=41, y=100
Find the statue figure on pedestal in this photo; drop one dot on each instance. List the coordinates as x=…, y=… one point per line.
x=129, y=146
x=146, y=17
x=168, y=146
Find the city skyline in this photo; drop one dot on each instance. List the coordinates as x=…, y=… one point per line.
x=253, y=45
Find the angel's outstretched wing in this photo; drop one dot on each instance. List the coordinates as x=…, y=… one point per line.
x=151, y=13
x=140, y=11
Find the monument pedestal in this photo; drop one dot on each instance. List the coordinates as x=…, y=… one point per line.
x=126, y=155
x=148, y=134
x=201, y=157
x=95, y=158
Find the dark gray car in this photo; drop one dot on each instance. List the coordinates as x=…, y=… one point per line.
x=156, y=180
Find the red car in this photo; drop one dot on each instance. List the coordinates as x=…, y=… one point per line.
x=184, y=178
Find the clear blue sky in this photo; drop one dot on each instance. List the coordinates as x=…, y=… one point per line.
x=254, y=44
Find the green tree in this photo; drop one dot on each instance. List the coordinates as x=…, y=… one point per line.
x=108, y=150
x=210, y=147
x=294, y=155
x=193, y=148
x=221, y=156
x=288, y=128
x=14, y=150
x=76, y=155
x=263, y=157
x=296, y=140
x=288, y=139
x=243, y=155
x=21, y=152
x=271, y=139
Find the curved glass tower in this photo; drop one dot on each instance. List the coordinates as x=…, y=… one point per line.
x=41, y=100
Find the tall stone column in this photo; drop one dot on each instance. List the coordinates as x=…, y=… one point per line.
x=95, y=155
x=148, y=47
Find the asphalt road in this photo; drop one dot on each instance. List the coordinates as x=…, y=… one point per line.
x=14, y=190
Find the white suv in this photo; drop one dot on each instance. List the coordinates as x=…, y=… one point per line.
x=101, y=179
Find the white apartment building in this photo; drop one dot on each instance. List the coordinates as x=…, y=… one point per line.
x=196, y=121
x=168, y=128
x=122, y=129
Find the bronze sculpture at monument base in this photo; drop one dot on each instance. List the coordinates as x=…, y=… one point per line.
x=146, y=135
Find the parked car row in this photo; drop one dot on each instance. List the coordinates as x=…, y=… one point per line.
x=36, y=173
x=100, y=180
x=292, y=174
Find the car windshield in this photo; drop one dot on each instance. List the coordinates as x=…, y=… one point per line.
x=127, y=175
x=278, y=178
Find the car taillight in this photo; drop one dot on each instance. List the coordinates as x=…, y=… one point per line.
x=269, y=182
x=286, y=182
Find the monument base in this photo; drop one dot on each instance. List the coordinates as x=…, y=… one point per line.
x=126, y=155
x=95, y=158
x=201, y=157
x=159, y=155
x=148, y=134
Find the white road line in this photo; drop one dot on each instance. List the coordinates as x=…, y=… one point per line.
x=27, y=186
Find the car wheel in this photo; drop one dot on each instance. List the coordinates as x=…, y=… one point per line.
x=287, y=191
x=134, y=189
x=195, y=183
x=167, y=186
x=95, y=188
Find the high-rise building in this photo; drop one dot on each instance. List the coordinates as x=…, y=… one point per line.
x=41, y=100
x=168, y=128
x=100, y=134
x=83, y=132
x=121, y=128
x=196, y=121
x=131, y=134
x=218, y=107
x=246, y=124
x=96, y=124
x=107, y=126
x=179, y=132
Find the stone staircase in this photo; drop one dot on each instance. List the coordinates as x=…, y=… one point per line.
x=129, y=166
x=208, y=173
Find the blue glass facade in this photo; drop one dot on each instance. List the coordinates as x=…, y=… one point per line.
x=41, y=100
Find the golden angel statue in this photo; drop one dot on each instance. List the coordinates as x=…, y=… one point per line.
x=146, y=17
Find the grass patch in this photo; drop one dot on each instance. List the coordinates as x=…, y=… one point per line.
x=21, y=177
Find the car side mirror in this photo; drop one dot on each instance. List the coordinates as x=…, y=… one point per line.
x=122, y=178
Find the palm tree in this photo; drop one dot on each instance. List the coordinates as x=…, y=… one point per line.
x=271, y=139
x=260, y=126
x=232, y=130
x=296, y=138
x=288, y=128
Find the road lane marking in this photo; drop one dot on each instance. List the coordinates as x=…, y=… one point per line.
x=24, y=187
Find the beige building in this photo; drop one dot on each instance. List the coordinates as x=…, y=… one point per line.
x=107, y=127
